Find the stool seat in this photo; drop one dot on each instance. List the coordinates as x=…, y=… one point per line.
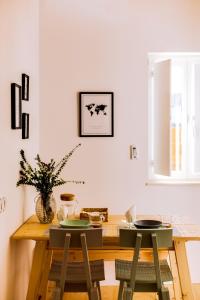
x=76, y=271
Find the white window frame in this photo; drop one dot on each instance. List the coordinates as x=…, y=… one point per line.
x=167, y=178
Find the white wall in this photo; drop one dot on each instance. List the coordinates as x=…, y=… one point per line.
x=102, y=45
x=18, y=54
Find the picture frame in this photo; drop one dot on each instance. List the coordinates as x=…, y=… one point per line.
x=25, y=87
x=16, y=106
x=25, y=126
x=96, y=114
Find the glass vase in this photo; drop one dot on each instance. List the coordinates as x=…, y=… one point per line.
x=45, y=209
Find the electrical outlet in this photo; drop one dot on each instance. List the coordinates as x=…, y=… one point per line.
x=2, y=204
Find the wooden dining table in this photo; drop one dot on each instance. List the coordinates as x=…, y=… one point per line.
x=42, y=256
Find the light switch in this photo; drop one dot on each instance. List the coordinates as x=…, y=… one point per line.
x=133, y=152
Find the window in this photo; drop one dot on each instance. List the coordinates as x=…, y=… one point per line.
x=174, y=116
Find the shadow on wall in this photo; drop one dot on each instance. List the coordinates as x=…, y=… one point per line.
x=19, y=259
x=27, y=198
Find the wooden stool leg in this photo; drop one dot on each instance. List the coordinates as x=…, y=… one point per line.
x=164, y=294
x=121, y=284
x=128, y=294
x=93, y=293
x=99, y=289
x=56, y=293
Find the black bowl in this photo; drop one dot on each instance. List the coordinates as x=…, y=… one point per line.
x=147, y=224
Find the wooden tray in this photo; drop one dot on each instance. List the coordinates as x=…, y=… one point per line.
x=84, y=215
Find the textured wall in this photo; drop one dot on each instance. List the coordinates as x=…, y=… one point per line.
x=18, y=54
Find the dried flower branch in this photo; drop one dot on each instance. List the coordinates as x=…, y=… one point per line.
x=45, y=176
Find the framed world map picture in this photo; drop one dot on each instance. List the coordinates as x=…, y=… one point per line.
x=96, y=114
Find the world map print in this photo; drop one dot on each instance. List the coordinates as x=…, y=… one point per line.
x=98, y=109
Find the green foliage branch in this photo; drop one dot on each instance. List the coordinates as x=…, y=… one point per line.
x=45, y=176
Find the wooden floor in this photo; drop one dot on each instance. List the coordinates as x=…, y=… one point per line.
x=110, y=293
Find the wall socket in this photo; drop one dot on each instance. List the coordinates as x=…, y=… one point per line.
x=2, y=204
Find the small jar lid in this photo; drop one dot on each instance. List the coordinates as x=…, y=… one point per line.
x=67, y=197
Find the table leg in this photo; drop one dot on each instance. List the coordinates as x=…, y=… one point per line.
x=45, y=273
x=183, y=270
x=36, y=270
x=175, y=274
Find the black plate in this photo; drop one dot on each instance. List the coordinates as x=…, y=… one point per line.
x=147, y=224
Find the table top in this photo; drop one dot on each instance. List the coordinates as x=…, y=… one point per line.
x=33, y=230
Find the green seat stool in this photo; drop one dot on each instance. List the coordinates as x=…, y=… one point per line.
x=83, y=276
x=139, y=276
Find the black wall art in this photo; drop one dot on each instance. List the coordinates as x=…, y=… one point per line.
x=20, y=120
x=96, y=114
x=16, y=107
x=25, y=126
x=25, y=87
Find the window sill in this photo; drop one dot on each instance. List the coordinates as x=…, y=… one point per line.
x=172, y=182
